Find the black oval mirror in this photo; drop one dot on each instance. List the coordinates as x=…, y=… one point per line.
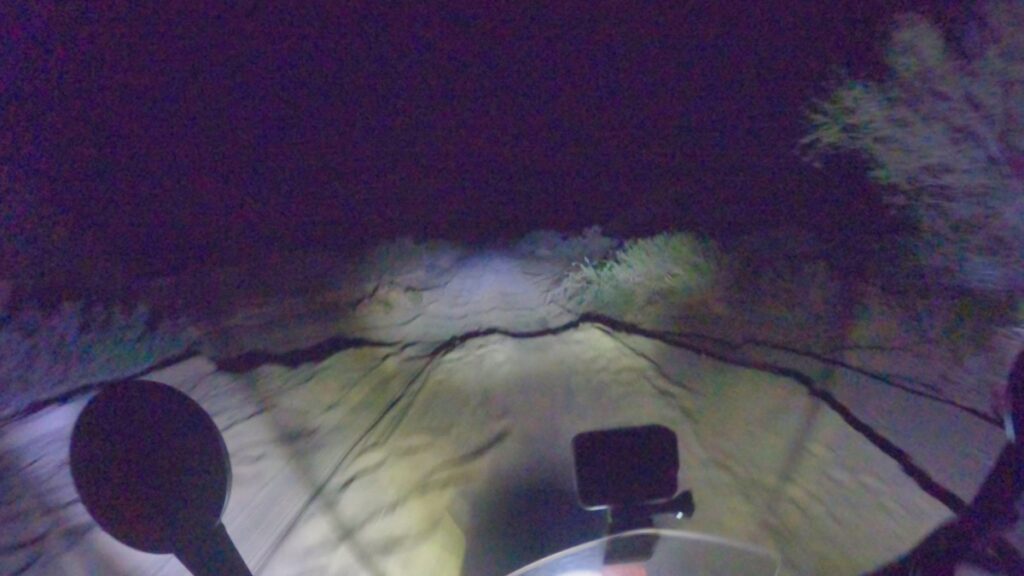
x=152, y=469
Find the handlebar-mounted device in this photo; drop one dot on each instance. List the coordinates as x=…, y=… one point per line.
x=632, y=473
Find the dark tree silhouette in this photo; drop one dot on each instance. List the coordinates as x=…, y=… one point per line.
x=945, y=132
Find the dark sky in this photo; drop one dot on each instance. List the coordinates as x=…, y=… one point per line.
x=197, y=130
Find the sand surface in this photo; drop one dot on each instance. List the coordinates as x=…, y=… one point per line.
x=418, y=421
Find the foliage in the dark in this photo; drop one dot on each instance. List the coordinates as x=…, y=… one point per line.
x=944, y=132
x=44, y=354
x=669, y=267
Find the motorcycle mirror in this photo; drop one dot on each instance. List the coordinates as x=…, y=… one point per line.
x=152, y=469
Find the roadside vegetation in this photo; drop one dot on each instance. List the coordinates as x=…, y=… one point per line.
x=46, y=354
x=791, y=292
x=667, y=268
x=944, y=141
x=943, y=137
x=945, y=147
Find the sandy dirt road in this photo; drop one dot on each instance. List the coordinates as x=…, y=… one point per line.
x=434, y=439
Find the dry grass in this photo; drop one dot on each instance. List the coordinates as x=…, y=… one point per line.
x=667, y=269
x=46, y=354
x=783, y=291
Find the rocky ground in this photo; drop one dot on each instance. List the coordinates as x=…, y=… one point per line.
x=414, y=416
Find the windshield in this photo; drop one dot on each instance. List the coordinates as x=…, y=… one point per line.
x=674, y=554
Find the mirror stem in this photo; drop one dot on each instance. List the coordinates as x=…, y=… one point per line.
x=212, y=553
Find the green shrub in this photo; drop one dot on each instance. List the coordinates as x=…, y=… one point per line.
x=943, y=135
x=669, y=268
x=46, y=354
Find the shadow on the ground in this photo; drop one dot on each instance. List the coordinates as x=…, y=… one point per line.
x=525, y=523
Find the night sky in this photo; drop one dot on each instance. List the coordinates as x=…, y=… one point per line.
x=171, y=135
